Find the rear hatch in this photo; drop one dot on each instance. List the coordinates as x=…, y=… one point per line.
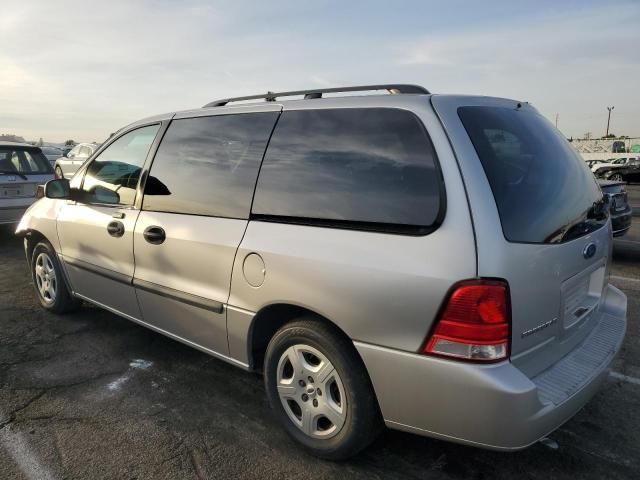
x=540, y=219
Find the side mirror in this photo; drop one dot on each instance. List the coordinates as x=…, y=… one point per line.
x=57, y=189
x=101, y=194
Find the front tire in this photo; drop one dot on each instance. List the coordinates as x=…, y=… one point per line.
x=616, y=177
x=48, y=280
x=319, y=389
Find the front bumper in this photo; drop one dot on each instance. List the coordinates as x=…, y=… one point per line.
x=493, y=406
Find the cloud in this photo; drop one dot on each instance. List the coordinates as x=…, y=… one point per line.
x=73, y=71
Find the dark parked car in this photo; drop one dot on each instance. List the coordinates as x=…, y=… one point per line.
x=627, y=172
x=620, y=208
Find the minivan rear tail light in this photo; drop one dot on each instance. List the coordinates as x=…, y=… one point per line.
x=474, y=323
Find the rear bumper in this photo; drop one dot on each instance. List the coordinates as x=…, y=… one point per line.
x=13, y=214
x=493, y=406
x=621, y=223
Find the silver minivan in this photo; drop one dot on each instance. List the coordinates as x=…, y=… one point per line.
x=438, y=264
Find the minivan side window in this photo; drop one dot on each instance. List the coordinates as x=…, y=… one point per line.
x=362, y=168
x=209, y=165
x=112, y=177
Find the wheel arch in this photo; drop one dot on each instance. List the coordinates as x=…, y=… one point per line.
x=32, y=238
x=269, y=319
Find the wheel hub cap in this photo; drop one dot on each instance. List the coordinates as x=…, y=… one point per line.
x=311, y=391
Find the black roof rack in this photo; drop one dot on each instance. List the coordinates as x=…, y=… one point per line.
x=318, y=92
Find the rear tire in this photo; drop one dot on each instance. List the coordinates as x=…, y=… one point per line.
x=49, y=282
x=616, y=177
x=320, y=391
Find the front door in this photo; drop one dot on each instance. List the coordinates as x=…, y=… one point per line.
x=194, y=213
x=96, y=232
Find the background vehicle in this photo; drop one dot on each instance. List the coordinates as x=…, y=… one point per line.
x=619, y=162
x=593, y=163
x=52, y=154
x=621, y=214
x=434, y=262
x=65, y=167
x=627, y=171
x=22, y=168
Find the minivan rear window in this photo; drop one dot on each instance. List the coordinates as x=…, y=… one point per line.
x=544, y=191
x=361, y=168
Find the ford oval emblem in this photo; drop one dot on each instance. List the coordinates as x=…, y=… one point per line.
x=589, y=251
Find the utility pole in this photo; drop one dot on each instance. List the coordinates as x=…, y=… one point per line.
x=557, y=115
x=609, y=119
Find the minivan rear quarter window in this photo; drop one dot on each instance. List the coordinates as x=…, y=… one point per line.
x=370, y=169
x=544, y=191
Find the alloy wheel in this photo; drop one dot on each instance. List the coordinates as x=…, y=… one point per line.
x=46, y=279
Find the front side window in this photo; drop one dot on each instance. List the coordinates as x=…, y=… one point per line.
x=208, y=165
x=370, y=169
x=112, y=177
x=74, y=151
x=85, y=151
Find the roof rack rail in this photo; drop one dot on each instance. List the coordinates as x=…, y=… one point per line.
x=318, y=92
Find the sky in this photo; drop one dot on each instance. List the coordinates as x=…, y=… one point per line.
x=81, y=70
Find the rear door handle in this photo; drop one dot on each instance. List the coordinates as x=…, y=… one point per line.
x=154, y=235
x=115, y=229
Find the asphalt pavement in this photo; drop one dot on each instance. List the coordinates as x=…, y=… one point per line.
x=91, y=395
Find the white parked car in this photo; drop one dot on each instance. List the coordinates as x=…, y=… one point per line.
x=613, y=162
x=65, y=167
x=22, y=168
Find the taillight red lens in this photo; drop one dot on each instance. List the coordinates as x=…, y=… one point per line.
x=474, y=323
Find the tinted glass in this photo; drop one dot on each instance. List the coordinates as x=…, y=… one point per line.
x=209, y=165
x=113, y=176
x=374, y=166
x=51, y=151
x=24, y=161
x=543, y=189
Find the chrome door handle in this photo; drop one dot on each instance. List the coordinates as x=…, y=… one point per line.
x=154, y=235
x=115, y=228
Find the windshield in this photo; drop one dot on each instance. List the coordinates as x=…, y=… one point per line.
x=25, y=161
x=544, y=191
